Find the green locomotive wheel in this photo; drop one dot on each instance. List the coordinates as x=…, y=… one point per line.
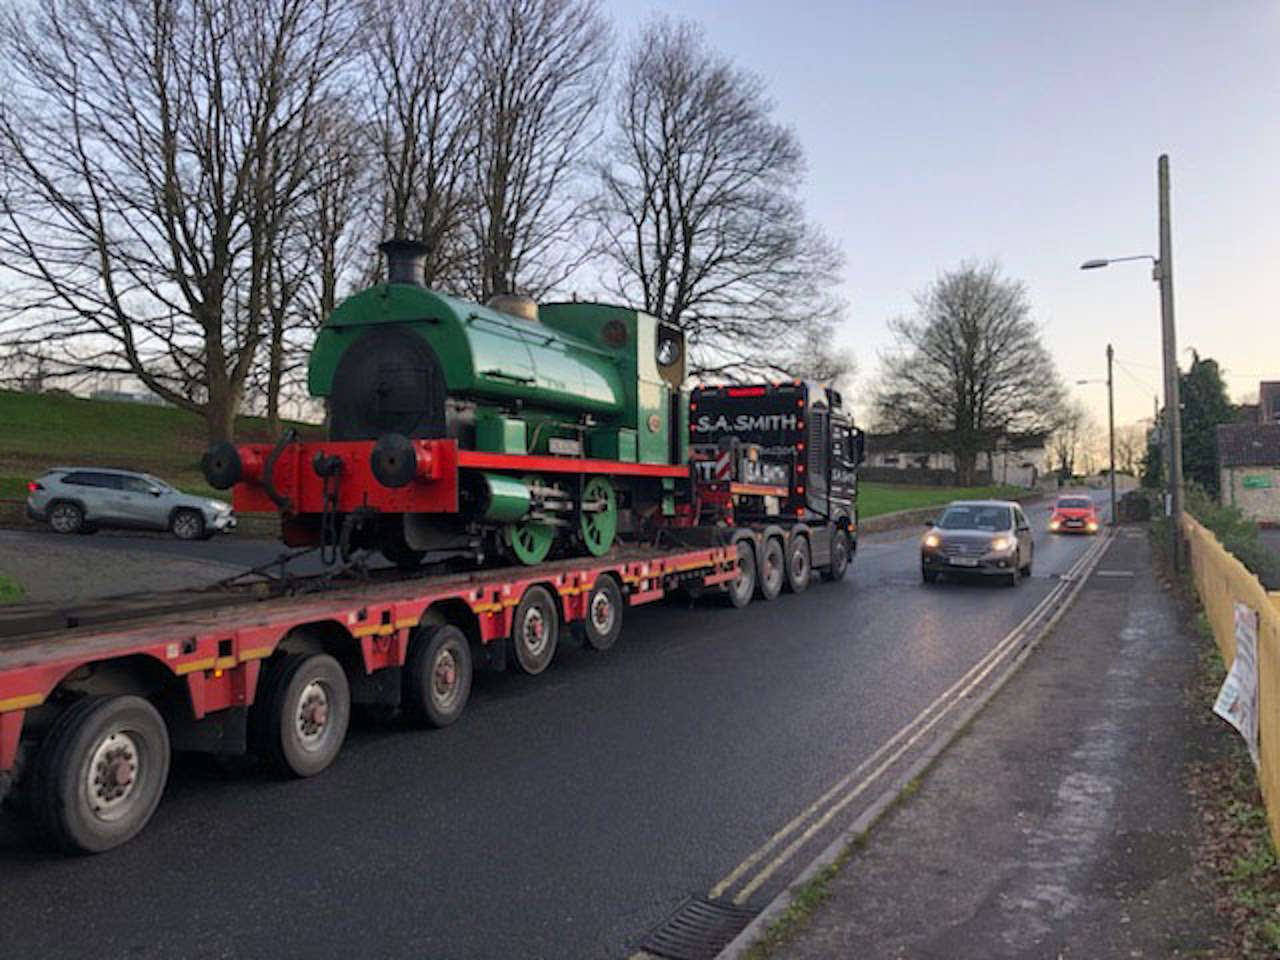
x=600, y=524
x=530, y=540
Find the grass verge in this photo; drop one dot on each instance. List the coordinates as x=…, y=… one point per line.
x=10, y=590
x=877, y=498
x=41, y=430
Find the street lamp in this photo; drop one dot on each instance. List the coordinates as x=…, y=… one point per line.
x=1111, y=418
x=1162, y=273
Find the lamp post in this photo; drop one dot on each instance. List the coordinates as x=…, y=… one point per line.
x=1111, y=430
x=1162, y=273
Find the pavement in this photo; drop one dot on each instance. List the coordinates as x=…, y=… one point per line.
x=566, y=815
x=1058, y=825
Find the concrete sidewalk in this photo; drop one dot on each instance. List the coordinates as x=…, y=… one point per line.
x=1058, y=825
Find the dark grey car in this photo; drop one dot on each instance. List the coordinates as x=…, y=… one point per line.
x=82, y=499
x=984, y=537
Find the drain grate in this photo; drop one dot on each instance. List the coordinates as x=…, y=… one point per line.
x=698, y=930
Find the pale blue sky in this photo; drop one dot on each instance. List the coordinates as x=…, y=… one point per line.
x=1028, y=132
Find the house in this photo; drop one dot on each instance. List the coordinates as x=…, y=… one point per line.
x=1269, y=401
x=1249, y=465
x=1018, y=460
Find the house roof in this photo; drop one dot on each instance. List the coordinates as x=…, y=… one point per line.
x=1249, y=444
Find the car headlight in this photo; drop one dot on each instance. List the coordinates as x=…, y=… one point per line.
x=932, y=541
x=1054, y=524
x=1001, y=544
x=217, y=506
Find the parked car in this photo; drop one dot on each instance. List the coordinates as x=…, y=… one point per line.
x=83, y=499
x=986, y=537
x=1075, y=514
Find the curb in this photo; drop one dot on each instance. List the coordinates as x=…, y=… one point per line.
x=741, y=945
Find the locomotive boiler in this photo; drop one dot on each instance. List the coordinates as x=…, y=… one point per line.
x=453, y=427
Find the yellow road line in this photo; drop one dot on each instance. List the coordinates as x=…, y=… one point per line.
x=993, y=655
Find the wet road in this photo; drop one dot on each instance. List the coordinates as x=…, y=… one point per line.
x=566, y=814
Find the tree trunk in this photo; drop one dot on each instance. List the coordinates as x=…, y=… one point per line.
x=220, y=415
x=966, y=462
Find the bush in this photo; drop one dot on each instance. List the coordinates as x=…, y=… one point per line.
x=1237, y=533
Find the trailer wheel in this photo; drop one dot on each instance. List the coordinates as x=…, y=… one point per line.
x=603, y=621
x=773, y=569
x=437, y=675
x=100, y=772
x=744, y=587
x=534, y=630
x=799, y=563
x=306, y=707
x=839, y=557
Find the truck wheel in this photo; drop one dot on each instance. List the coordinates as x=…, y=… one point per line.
x=603, y=621
x=773, y=570
x=66, y=517
x=535, y=630
x=306, y=707
x=839, y=557
x=799, y=563
x=100, y=772
x=437, y=675
x=744, y=587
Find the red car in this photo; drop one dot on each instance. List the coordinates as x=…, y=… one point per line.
x=1074, y=515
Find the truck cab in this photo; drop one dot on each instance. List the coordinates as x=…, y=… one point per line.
x=789, y=449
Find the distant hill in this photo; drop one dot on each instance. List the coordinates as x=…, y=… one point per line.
x=41, y=430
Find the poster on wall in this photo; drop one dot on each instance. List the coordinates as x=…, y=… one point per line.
x=1237, y=701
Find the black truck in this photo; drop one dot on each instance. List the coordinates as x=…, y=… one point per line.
x=785, y=455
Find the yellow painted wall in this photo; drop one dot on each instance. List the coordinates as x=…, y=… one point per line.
x=1221, y=580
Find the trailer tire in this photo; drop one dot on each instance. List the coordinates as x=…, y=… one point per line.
x=306, y=709
x=535, y=629
x=799, y=563
x=100, y=773
x=437, y=675
x=743, y=587
x=839, y=557
x=603, y=620
x=772, y=575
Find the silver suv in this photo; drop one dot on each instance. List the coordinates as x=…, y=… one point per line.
x=82, y=499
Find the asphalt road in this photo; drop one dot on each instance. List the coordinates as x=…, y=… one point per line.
x=566, y=814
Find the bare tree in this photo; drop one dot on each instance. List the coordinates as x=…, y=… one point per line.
x=969, y=368
x=321, y=250
x=702, y=222
x=422, y=83
x=1131, y=447
x=540, y=70
x=1071, y=426
x=151, y=153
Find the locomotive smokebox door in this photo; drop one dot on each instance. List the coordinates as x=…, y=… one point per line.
x=388, y=381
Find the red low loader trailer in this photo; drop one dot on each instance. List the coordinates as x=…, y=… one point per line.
x=93, y=701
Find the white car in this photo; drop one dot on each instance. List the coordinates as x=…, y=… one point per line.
x=83, y=499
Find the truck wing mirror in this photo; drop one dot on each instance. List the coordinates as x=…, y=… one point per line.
x=859, y=445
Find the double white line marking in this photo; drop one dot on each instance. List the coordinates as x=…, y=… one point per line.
x=849, y=788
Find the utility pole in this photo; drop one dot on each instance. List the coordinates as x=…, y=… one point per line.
x=1173, y=410
x=1111, y=433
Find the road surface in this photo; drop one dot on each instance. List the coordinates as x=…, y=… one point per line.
x=565, y=816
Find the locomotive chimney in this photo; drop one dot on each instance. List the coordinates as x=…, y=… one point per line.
x=406, y=260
